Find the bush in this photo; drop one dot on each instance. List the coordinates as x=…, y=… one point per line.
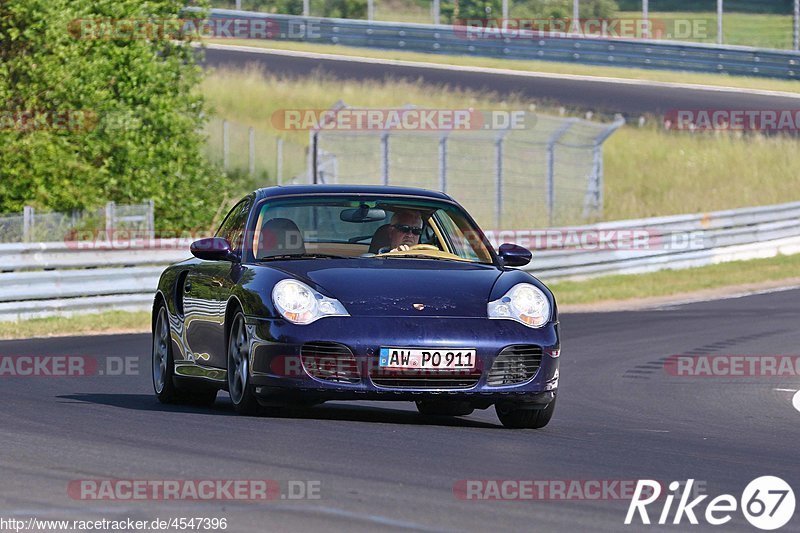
x=534, y=9
x=139, y=115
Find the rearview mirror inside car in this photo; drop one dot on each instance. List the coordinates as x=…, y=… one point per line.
x=363, y=214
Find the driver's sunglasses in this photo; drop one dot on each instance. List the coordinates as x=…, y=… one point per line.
x=405, y=228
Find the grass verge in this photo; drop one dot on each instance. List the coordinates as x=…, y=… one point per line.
x=108, y=322
x=609, y=290
x=721, y=80
x=676, y=282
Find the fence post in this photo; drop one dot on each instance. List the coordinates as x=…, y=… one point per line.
x=550, y=186
x=27, y=223
x=252, y=150
x=306, y=8
x=239, y=5
x=151, y=218
x=313, y=148
x=370, y=10
x=498, y=180
x=436, y=12
x=505, y=10
x=720, y=10
x=226, y=143
x=111, y=214
x=594, y=190
x=385, y=158
x=279, y=162
x=797, y=24
x=443, y=163
x=646, y=17
x=575, y=26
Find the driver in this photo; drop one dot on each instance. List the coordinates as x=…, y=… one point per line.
x=405, y=230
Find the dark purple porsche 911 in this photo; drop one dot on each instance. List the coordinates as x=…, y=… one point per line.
x=323, y=292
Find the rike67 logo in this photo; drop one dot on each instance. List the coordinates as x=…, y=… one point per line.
x=767, y=503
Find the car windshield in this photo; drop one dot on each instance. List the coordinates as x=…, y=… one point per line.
x=365, y=226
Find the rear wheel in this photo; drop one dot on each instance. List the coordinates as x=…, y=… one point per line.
x=164, y=383
x=444, y=408
x=516, y=418
x=242, y=395
x=163, y=366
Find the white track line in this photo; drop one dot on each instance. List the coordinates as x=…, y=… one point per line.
x=501, y=71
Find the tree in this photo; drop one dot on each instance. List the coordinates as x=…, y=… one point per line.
x=99, y=106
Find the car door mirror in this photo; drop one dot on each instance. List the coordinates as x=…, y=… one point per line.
x=514, y=255
x=213, y=249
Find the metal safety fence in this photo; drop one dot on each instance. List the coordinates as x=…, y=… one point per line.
x=486, y=40
x=41, y=279
x=760, y=23
x=534, y=170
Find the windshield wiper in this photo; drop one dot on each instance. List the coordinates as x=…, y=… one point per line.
x=418, y=256
x=284, y=257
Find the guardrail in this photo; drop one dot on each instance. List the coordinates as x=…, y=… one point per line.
x=525, y=44
x=43, y=279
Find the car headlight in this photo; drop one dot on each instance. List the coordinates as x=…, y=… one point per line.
x=524, y=303
x=300, y=304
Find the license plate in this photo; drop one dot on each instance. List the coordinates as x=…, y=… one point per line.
x=439, y=358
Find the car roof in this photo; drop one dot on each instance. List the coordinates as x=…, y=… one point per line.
x=292, y=190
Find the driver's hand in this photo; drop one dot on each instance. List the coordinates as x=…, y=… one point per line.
x=402, y=248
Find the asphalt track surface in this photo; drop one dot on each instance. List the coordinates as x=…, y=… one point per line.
x=381, y=465
x=604, y=96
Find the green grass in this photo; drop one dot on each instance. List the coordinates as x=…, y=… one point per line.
x=676, y=282
x=763, y=31
x=108, y=322
x=649, y=171
x=601, y=290
x=719, y=80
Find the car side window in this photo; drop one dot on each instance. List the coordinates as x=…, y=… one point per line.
x=233, y=227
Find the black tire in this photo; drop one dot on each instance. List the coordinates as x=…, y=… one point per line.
x=524, y=418
x=238, y=356
x=444, y=408
x=168, y=390
x=163, y=366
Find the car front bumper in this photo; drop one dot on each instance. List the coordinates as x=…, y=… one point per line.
x=278, y=366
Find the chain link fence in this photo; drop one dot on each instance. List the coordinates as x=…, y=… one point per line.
x=548, y=173
x=261, y=158
x=31, y=226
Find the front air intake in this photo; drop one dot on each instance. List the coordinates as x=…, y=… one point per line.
x=329, y=361
x=515, y=365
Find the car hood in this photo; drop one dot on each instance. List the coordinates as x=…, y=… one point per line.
x=392, y=287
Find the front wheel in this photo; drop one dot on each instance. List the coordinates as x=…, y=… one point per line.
x=242, y=396
x=516, y=418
